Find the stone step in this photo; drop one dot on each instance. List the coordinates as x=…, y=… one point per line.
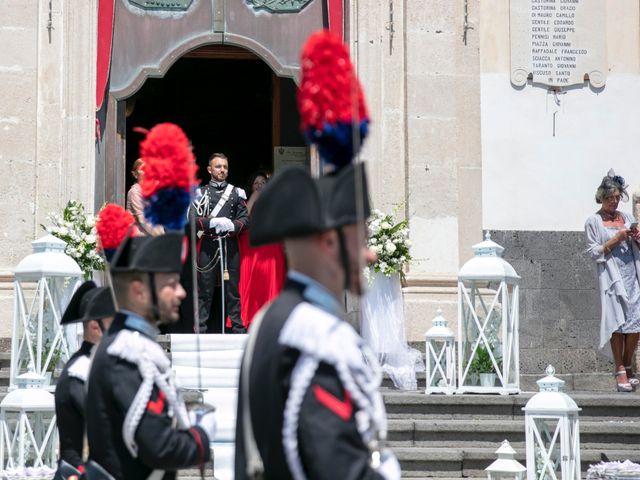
x=5, y=359
x=194, y=474
x=578, y=382
x=613, y=435
x=3, y=391
x=423, y=475
x=600, y=406
x=583, y=382
x=5, y=374
x=447, y=463
x=450, y=462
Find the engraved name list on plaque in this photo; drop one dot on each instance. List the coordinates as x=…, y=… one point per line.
x=558, y=43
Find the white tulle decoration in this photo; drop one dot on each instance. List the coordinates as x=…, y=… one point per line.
x=382, y=327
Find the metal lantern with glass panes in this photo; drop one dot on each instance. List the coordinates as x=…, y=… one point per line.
x=506, y=467
x=28, y=434
x=552, y=432
x=440, y=357
x=44, y=283
x=488, y=353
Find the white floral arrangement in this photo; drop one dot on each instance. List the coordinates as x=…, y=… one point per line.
x=78, y=229
x=390, y=241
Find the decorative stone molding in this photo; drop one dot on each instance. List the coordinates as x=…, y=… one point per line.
x=416, y=283
x=423, y=295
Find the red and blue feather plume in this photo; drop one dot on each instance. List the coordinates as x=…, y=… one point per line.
x=168, y=175
x=112, y=226
x=330, y=100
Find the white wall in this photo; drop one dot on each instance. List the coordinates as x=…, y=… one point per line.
x=532, y=180
x=535, y=181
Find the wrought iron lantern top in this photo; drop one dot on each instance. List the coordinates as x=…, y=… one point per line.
x=47, y=260
x=488, y=264
x=439, y=330
x=551, y=398
x=506, y=464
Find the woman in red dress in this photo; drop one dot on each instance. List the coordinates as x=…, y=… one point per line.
x=262, y=269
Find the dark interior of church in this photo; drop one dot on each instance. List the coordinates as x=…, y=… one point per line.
x=223, y=105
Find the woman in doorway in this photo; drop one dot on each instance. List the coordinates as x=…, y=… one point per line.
x=135, y=203
x=262, y=269
x=612, y=242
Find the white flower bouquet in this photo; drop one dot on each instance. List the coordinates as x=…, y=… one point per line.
x=78, y=229
x=390, y=241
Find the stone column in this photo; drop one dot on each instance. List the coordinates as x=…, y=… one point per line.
x=79, y=64
x=423, y=87
x=47, y=72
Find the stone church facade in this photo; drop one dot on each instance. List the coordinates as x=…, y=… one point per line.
x=452, y=139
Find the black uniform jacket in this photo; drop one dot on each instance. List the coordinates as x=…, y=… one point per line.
x=113, y=385
x=234, y=209
x=329, y=443
x=70, y=400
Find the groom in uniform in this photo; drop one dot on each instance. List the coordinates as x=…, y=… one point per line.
x=220, y=212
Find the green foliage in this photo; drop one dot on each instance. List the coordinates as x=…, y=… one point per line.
x=482, y=363
x=55, y=357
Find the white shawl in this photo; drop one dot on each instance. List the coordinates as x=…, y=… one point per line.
x=612, y=291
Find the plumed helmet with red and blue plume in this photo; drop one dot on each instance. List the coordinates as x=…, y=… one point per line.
x=168, y=175
x=113, y=225
x=330, y=100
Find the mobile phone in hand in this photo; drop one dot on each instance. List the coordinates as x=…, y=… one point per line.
x=634, y=226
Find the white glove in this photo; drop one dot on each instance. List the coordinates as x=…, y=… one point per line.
x=389, y=467
x=221, y=224
x=205, y=419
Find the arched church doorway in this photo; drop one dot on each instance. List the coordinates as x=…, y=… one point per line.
x=227, y=100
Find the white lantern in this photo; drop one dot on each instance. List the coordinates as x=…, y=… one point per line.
x=44, y=283
x=440, y=357
x=506, y=467
x=552, y=432
x=488, y=311
x=28, y=434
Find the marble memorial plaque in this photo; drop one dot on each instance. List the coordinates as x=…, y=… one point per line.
x=558, y=42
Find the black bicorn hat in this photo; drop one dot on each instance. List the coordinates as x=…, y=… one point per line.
x=89, y=302
x=294, y=204
x=161, y=254
x=345, y=196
